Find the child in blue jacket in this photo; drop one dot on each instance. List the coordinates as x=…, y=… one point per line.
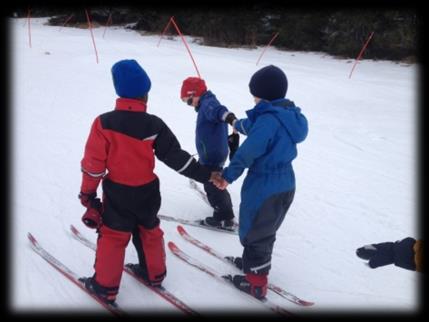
x=273, y=128
x=211, y=140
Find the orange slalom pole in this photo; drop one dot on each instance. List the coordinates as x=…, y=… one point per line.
x=165, y=29
x=109, y=20
x=92, y=35
x=361, y=53
x=186, y=45
x=275, y=36
x=29, y=26
x=68, y=19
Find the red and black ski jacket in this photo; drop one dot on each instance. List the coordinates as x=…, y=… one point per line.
x=122, y=144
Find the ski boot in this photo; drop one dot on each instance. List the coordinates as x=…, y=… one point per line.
x=105, y=294
x=257, y=286
x=142, y=273
x=221, y=224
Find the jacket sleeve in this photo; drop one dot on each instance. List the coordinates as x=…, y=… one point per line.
x=167, y=149
x=93, y=164
x=243, y=126
x=252, y=148
x=215, y=112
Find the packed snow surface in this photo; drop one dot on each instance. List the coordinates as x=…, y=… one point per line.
x=356, y=171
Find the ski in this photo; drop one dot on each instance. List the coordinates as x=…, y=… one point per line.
x=160, y=290
x=198, y=223
x=223, y=278
x=230, y=260
x=200, y=192
x=70, y=275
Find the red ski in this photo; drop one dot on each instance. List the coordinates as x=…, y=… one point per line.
x=225, y=279
x=70, y=275
x=160, y=290
x=200, y=223
x=230, y=260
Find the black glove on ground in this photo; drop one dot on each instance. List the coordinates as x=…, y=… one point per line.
x=400, y=253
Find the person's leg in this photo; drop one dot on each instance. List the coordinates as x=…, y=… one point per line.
x=221, y=202
x=109, y=262
x=258, y=244
x=113, y=237
x=148, y=236
x=152, y=243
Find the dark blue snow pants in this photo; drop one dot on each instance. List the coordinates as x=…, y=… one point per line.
x=258, y=243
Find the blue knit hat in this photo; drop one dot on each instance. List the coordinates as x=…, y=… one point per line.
x=269, y=83
x=130, y=79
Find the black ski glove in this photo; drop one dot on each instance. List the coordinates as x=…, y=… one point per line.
x=233, y=143
x=400, y=253
x=230, y=118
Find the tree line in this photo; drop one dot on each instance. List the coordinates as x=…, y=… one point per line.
x=339, y=32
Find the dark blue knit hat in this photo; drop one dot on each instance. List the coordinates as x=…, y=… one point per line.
x=130, y=79
x=268, y=83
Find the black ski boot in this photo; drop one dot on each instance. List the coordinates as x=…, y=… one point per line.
x=105, y=294
x=222, y=224
x=142, y=273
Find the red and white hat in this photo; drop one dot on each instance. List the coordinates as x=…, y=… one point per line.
x=193, y=86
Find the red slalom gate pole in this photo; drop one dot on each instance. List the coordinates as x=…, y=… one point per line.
x=186, y=45
x=272, y=39
x=92, y=35
x=109, y=20
x=165, y=29
x=29, y=26
x=361, y=53
x=65, y=22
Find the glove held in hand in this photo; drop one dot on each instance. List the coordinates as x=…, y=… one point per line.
x=233, y=143
x=92, y=216
x=86, y=198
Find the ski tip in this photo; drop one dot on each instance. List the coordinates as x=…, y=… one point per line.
x=172, y=245
x=31, y=238
x=305, y=303
x=181, y=230
x=73, y=229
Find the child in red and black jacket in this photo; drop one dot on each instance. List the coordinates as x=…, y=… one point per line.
x=120, y=152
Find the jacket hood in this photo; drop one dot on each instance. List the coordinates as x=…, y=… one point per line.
x=289, y=116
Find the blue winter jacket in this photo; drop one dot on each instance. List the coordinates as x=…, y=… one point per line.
x=211, y=134
x=273, y=129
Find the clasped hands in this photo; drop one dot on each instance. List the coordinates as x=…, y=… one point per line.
x=217, y=179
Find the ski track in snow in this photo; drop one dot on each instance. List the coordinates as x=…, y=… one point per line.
x=355, y=172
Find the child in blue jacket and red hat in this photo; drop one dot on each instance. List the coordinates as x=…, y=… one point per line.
x=211, y=140
x=273, y=127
